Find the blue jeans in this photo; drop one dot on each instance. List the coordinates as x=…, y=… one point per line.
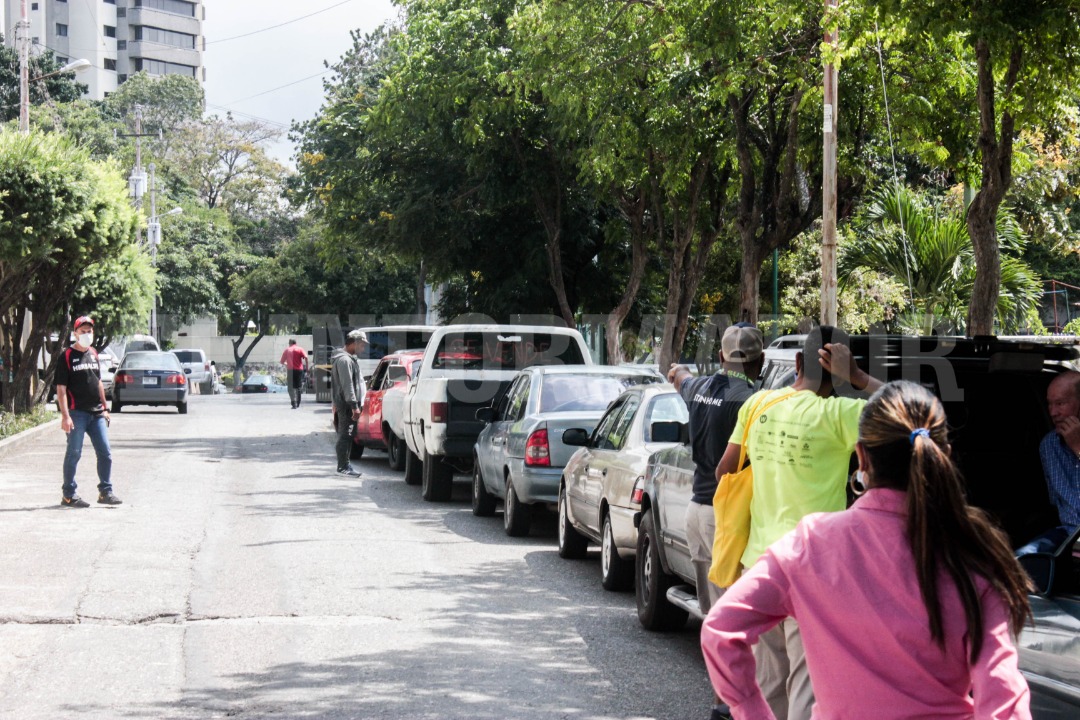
x=94, y=426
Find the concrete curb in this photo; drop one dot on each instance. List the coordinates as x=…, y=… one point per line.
x=13, y=443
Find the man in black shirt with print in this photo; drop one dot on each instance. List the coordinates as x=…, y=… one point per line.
x=81, y=398
x=714, y=402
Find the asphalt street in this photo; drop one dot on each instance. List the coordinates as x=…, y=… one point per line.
x=243, y=578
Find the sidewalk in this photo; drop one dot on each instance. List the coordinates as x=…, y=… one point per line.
x=15, y=442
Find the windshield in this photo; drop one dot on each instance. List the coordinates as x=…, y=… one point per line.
x=561, y=393
x=151, y=361
x=505, y=351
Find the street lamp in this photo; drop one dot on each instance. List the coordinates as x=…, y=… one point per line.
x=22, y=39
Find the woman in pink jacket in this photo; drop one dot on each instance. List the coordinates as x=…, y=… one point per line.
x=908, y=602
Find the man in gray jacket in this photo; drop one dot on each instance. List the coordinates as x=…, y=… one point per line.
x=347, y=391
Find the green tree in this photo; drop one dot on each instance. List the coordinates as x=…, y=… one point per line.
x=1025, y=58
x=928, y=250
x=118, y=293
x=60, y=213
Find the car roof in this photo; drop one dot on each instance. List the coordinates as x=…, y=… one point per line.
x=528, y=329
x=607, y=370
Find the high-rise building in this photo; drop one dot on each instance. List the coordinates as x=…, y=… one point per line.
x=118, y=37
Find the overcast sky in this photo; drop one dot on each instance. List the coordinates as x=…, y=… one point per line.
x=275, y=75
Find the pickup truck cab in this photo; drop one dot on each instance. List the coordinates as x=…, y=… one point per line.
x=465, y=368
x=994, y=394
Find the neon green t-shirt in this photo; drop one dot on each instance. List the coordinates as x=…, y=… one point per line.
x=800, y=449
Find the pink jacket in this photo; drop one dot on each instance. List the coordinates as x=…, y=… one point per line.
x=848, y=578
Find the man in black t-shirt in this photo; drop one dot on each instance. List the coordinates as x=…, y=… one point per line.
x=81, y=398
x=714, y=403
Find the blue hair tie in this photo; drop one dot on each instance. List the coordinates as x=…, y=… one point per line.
x=918, y=432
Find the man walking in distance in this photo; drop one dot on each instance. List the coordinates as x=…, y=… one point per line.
x=714, y=402
x=800, y=450
x=347, y=391
x=81, y=398
x=294, y=358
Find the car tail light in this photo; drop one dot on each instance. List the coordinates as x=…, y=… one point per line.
x=206, y=366
x=438, y=412
x=537, y=450
x=123, y=379
x=175, y=380
x=638, y=493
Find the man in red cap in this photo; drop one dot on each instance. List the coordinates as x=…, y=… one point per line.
x=81, y=398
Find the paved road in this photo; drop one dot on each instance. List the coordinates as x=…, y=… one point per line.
x=243, y=578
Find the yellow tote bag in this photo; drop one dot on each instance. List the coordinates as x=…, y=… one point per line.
x=731, y=506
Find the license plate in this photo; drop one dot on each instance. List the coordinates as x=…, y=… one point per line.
x=150, y=381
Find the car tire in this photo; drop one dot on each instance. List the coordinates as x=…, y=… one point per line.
x=414, y=469
x=572, y=544
x=207, y=387
x=483, y=502
x=616, y=572
x=356, y=451
x=517, y=516
x=181, y=407
x=395, y=450
x=437, y=479
x=654, y=610
x=117, y=406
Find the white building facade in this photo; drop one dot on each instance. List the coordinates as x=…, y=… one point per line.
x=118, y=37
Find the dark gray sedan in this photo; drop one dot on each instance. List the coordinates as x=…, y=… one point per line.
x=150, y=378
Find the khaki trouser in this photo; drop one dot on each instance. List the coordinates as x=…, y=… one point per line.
x=700, y=531
x=782, y=672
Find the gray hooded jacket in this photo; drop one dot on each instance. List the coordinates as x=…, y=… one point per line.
x=346, y=381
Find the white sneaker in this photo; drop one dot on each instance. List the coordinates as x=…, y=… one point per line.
x=350, y=471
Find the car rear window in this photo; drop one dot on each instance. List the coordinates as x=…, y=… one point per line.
x=666, y=408
x=505, y=351
x=187, y=356
x=151, y=361
x=583, y=393
x=385, y=342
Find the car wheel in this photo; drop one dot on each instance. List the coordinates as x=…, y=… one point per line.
x=395, y=450
x=653, y=609
x=483, y=503
x=572, y=544
x=517, y=516
x=437, y=479
x=181, y=407
x=207, y=387
x=616, y=573
x=413, y=467
x=117, y=406
x=357, y=451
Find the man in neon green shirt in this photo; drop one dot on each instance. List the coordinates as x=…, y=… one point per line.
x=800, y=449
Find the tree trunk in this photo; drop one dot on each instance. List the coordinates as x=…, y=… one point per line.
x=997, y=152
x=635, y=213
x=753, y=257
x=421, y=301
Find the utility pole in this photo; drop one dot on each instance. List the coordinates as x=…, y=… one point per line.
x=153, y=236
x=22, y=39
x=828, y=184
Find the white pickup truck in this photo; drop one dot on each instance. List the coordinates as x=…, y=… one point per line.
x=465, y=368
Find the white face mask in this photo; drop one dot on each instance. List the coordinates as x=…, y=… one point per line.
x=85, y=340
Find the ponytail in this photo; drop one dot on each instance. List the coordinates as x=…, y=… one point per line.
x=904, y=433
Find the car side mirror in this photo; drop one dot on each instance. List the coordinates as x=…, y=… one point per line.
x=485, y=414
x=187, y=371
x=670, y=431
x=576, y=437
x=1040, y=568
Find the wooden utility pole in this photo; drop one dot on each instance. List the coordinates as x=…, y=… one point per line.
x=828, y=185
x=22, y=40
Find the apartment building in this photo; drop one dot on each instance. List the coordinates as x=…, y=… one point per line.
x=118, y=37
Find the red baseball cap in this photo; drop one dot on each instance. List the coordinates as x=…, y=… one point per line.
x=84, y=320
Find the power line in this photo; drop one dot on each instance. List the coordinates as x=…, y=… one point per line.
x=281, y=87
x=274, y=27
x=268, y=121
